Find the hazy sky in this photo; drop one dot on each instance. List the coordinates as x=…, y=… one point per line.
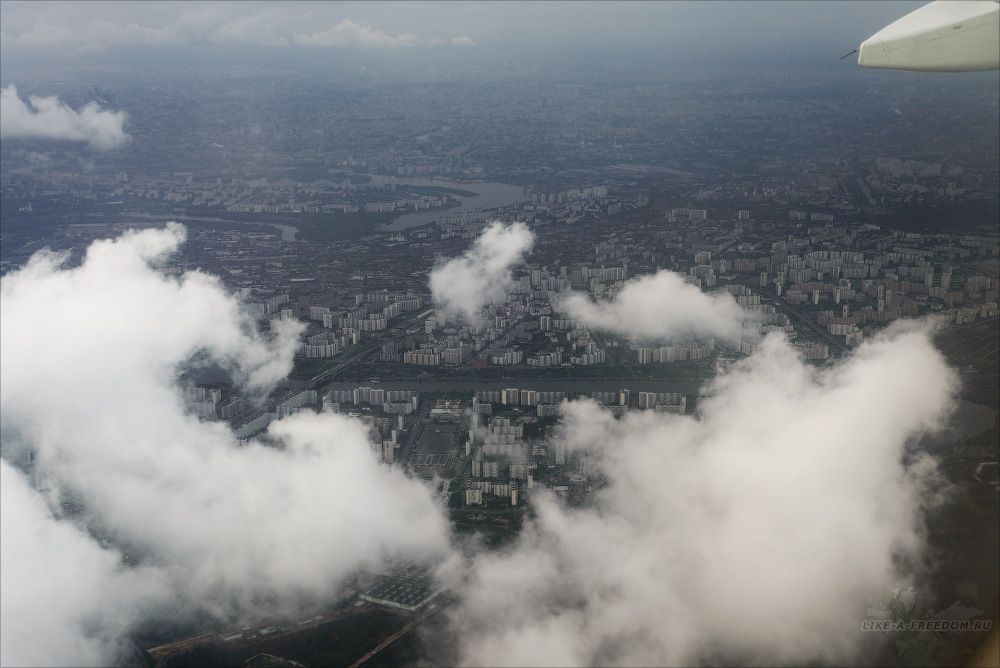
x=708, y=31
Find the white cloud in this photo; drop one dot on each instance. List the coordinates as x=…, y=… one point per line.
x=92, y=36
x=72, y=30
x=48, y=118
x=42, y=36
x=259, y=29
x=755, y=534
x=347, y=33
x=465, y=284
x=658, y=307
x=88, y=383
x=57, y=577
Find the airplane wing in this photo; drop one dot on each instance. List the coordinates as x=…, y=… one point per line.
x=943, y=36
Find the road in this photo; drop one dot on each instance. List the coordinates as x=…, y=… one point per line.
x=431, y=609
x=812, y=325
x=418, y=420
x=568, y=385
x=350, y=357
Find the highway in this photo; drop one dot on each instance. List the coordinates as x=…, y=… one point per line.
x=825, y=336
x=568, y=385
x=417, y=420
x=349, y=358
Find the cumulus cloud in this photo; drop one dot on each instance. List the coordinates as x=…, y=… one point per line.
x=92, y=36
x=56, y=577
x=261, y=24
x=48, y=118
x=260, y=29
x=89, y=386
x=658, y=307
x=349, y=33
x=465, y=284
x=755, y=534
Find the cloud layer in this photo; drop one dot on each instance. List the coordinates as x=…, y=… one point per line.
x=347, y=33
x=88, y=385
x=266, y=25
x=87, y=603
x=660, y=307
x=467, y=283
x=48, y=118
x=754, y=534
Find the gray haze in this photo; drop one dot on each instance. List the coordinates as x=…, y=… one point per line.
x=812, y=476
x=688, y=31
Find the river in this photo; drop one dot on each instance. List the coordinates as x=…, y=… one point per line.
x=490, y=195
